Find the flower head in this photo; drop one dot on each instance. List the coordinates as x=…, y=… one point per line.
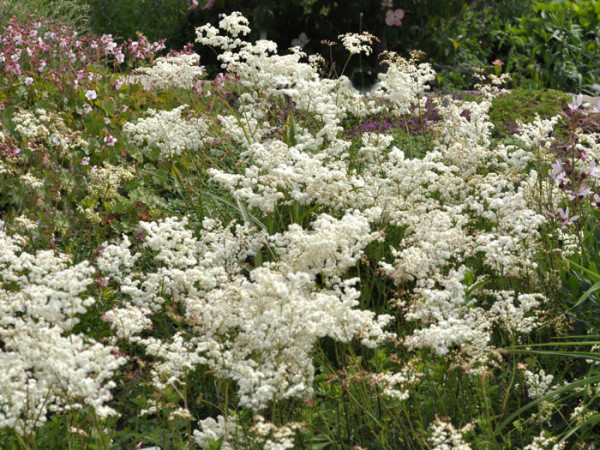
x=110, y=140
x=393, y=18
x=358, y=43
x=91, y=95
x=577, y=102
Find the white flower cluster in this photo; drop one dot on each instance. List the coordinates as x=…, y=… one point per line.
x=47, y=369
x=264, y=434
x=537, y=384
x=466, y=199
x=47, y=128
x=179, y=71
x=233, y=24
x=398, y=385
x=445, y=437
x=358, y=43
x=25, y=223
x=212, y=430
x=32, y=125
x=333, y=247
x=168, y=131
x=272, y=437
x=259, y=330
x=282, y=79
x=544, y=442
x=404, y=82
x=31, y=181
x=105, y=180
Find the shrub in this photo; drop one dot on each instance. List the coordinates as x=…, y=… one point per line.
x=556, y=46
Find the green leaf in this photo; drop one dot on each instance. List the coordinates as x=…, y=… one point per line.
x=592, y=274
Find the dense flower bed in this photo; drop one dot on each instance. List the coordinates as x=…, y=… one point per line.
x=274, y=259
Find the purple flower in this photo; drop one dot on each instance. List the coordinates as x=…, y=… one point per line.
x=559, y=170
x=563, y=216
x=581, y=193
x=593, y=172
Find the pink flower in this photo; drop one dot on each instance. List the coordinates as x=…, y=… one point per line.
x=394, y=18
x=193, y=5
x=198, y=85
x=118, y=84
x=91, y=95
x=87, y=109
x=209, y=4
x=110, y=140
x=563, y=216
x=28, y=81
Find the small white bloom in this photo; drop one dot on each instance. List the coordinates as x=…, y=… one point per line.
x=91, y=95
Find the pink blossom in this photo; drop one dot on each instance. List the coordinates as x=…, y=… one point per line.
x=209, y=4
x=193, y=5
x=110, y=140
x=87, y=109
x=91, y=95
x=28, y=81
x=394, y=17
x=563, y=216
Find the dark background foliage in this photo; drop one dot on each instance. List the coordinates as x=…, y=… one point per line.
x=543, y=43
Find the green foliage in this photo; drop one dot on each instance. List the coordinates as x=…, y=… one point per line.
x=124, y=18
x=522, y=105
x=348, y=406
x=556, y=45
x=70, y=12
x=464, y=36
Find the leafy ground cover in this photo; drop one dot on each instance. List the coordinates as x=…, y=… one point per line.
x=272, y=259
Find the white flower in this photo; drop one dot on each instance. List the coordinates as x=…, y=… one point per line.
x=358, y=43
x=445, y=437
x=91, y=95
x=168, y=131
x=110, y=140
x=170, y=71
x=47, y=369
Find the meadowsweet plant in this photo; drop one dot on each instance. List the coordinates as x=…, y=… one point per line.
x=265, y=263
x=49, y=369
x=277, y=311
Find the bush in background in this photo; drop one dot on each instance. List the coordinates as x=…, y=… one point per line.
x=74, y=13
x=556, y=45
